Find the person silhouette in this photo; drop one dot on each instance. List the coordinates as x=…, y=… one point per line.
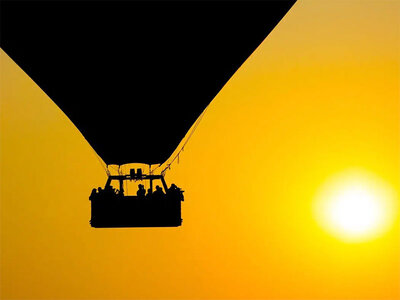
x=158, y=193
x=175, y=192
x=109, y=190
x=93, y=194
x=141, y=191
x=173, y=187
x=149, y=194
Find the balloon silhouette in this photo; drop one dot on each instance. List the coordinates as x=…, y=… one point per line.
x=134, y=76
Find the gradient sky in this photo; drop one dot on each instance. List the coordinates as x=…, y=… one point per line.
x=320, y=96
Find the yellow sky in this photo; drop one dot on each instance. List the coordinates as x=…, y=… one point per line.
x=318, y=97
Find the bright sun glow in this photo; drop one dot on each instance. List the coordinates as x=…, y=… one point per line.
x=355, y=206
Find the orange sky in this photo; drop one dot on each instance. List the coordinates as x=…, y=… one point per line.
x=318, y=97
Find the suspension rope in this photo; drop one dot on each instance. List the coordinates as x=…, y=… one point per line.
x=102, y=163
x=168, y=166
x=116, y=169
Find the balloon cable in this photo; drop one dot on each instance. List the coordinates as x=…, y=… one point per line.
x=105, y=167
x=168, y=166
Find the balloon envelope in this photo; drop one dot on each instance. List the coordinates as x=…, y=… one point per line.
x=134, y=76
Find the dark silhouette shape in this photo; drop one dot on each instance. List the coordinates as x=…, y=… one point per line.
x=106, y=63
x=158, y=209
x=109, y=190
x=158, y=193
x=174, y=191
x=92, y=194
x=141, y=191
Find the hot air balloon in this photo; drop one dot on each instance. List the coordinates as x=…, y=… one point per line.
x=134, y=76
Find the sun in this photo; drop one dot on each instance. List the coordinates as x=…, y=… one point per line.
x=355, y=206
x=356, y=210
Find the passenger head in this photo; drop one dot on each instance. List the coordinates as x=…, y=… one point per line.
x=141, y=187
x=158, y=188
